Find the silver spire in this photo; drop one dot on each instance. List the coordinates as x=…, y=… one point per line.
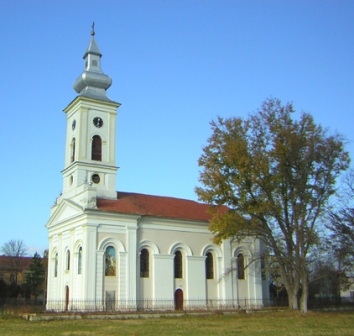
x=93, y=83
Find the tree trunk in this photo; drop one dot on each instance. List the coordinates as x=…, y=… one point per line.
x=304, y=295
x=292, y=285
x=292, y=298
x=303, y=301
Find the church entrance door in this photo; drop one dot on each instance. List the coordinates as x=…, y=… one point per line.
x=179, y=299
x=66, y=298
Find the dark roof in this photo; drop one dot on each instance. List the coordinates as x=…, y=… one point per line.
x=155, y=206
x=9, y=263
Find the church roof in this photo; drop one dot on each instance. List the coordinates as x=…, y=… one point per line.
x=92, y=48
x=92, y=82
x=156, y=206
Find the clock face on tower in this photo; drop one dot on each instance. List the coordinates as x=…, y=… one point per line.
x=98, y=122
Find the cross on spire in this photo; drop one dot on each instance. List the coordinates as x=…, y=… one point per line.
x=93, y=29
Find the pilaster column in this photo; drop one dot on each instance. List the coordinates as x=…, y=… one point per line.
x=195, y=278
x=163, y=284
x=90, y=270
x=123, y=281
x=228, y=280
x=132, y=262
x=99, y=278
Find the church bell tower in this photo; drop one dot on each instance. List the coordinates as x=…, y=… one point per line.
x=90, y=154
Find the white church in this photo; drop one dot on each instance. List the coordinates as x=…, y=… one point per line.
x=115, y=251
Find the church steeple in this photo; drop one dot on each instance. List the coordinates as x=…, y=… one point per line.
x=93, y=83
x=90, y=159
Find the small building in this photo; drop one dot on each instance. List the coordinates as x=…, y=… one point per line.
x=112, y=250
x=13, y=269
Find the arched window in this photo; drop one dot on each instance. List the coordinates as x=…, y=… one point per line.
x=68, y=260
x=110, y=261
x=79, y=261
x=178, y=265
x=240, y=267
x=56, y=265
x=73, y=142
x=96, y=153
x=209, y=266
x=144, y=263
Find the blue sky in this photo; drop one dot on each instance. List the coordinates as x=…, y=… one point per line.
x=176, y=65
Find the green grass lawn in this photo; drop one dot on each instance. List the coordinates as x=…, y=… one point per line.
x=275, y=323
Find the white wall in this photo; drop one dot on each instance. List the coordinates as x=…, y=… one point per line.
x=96, y=230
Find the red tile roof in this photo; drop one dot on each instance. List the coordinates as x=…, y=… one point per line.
x=155, y=206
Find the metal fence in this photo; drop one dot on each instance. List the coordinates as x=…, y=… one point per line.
x=148, y=305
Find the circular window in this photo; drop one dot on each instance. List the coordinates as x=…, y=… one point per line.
x=96, y=178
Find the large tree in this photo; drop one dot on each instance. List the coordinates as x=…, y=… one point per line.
x=342, y=241
x=341, y=225
x=35, y=277
x=276, y=175
x=14, y=248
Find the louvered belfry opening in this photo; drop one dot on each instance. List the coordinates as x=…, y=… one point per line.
x=96, y=148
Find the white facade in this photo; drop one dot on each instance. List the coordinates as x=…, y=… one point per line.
x=125, y=251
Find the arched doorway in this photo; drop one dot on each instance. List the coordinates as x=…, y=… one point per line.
x=179, y=299
x=66, y=298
